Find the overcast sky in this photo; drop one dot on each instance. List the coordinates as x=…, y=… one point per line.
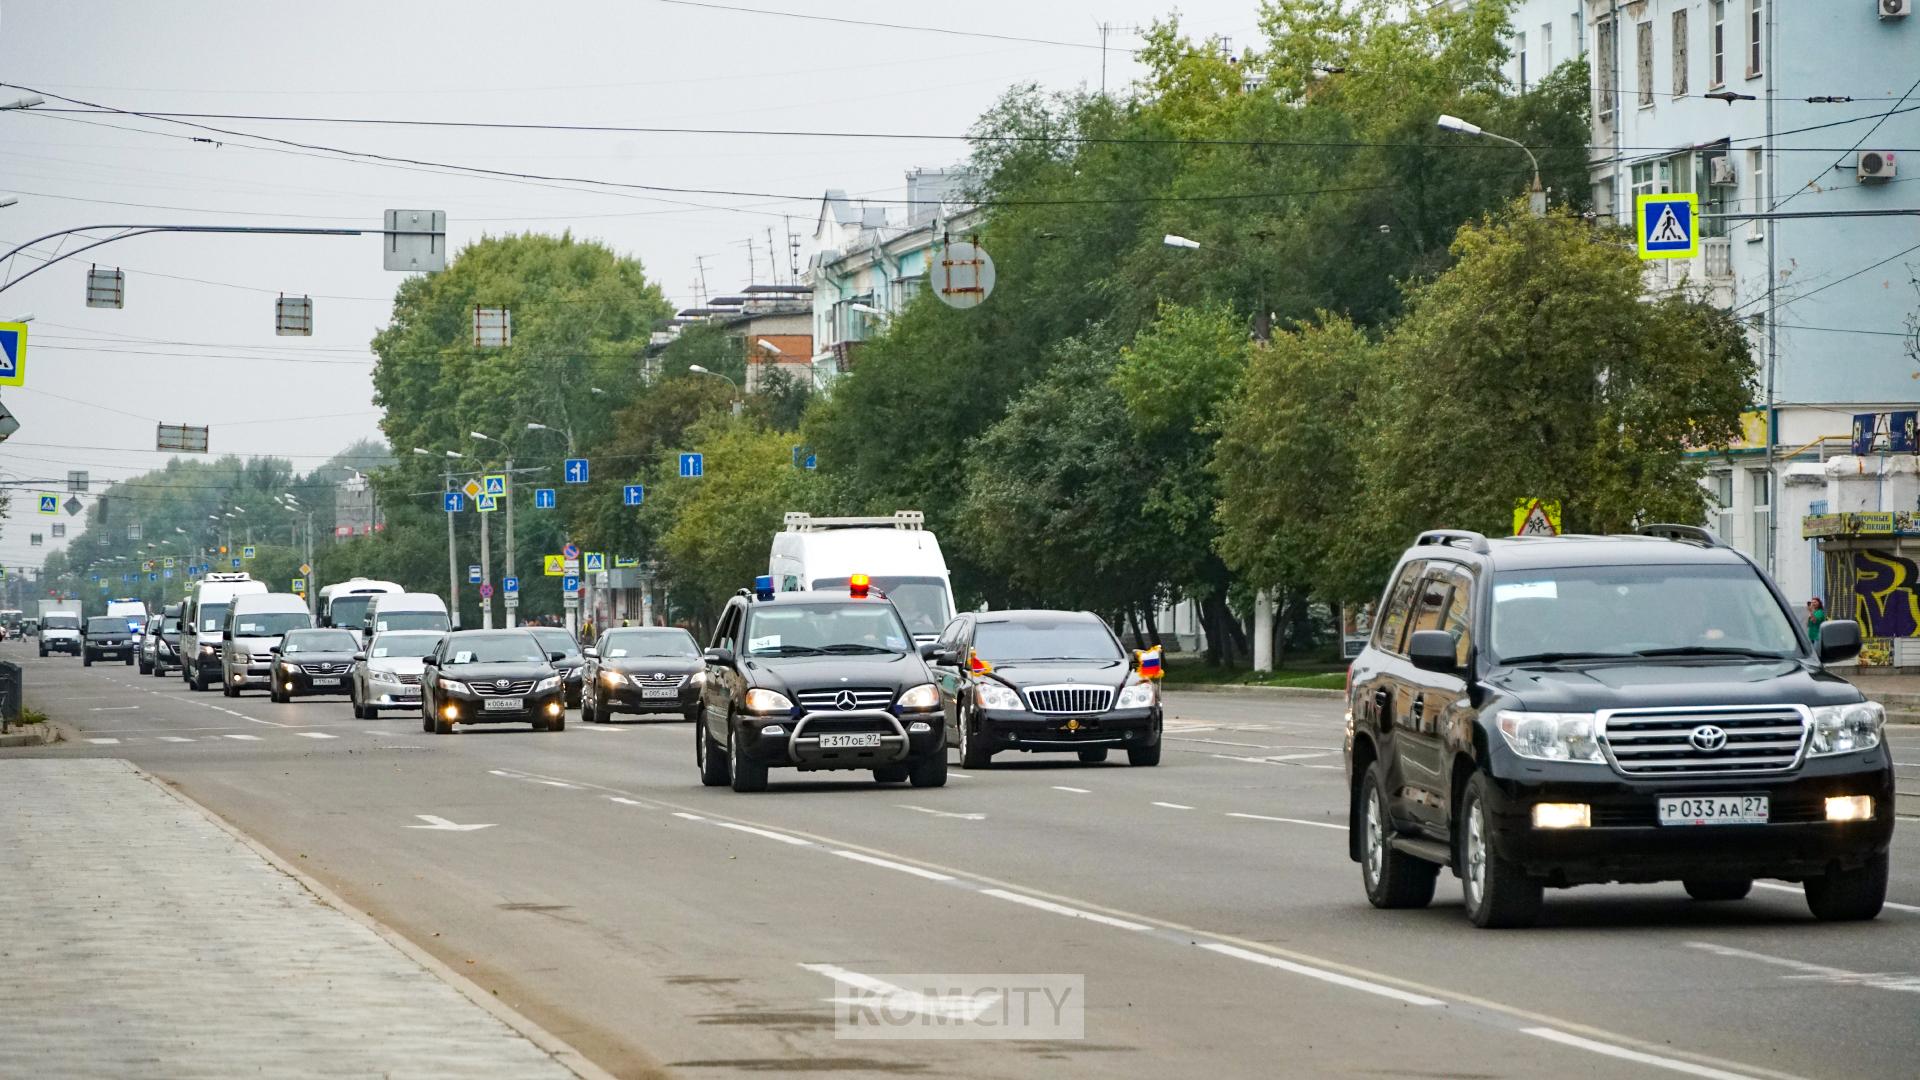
x=197, y=344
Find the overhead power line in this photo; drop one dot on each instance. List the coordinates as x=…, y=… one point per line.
x=843, y=21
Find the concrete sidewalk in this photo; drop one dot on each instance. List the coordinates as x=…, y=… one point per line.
x=145, y=940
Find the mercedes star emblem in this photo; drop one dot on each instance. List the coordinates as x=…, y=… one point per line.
x=1708, y=738
x=845, y=701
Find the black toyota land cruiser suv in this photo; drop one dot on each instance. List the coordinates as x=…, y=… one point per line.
x=1556, y=711
x=817, y=680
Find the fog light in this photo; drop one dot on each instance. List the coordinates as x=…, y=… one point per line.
x=775, y=730
x=553, y=708
x=286, y=685
x=450, y=712
x=918, y=727
x=1562, y=815
x=1850, y=808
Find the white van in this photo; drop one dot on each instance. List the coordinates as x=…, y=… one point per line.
x=133, y=610
x=344, y=603
x=405, y=611
x=901, y=557
x=255, y=625
x=203, y=623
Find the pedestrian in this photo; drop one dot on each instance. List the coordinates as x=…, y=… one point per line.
x=586, y=632
x=1816, y=615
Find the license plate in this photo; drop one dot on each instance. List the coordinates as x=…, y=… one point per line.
x=1713, y=809
x=505, y=704
x=659, y=693
x=326, y=682
x=837, y=742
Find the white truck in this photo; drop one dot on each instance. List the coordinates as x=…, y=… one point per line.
x=60, y=627
x=897, y=553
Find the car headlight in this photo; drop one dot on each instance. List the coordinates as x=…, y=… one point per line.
x=993, y=695
x=698, y=678
x=454, y=686
x=551, y=682
x=1546, y=736
x=1140, y=695
x=381, y=675
x=611, y=678
x=767, y=702
x=1843, y=729
x=209, y=650
x=924, y=696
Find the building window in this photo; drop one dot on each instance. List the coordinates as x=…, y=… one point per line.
x=1643, y=61
x=1757, y=176
x=1609, y=89
x=1762, y=538
x=1720, y=489
x=1713, y=197
x=1520, y=51
x=1653, y=177
x=1755, y=26
x=1719, y=42
x=1603, y=196
x=1680, y=53
x=1546, y=48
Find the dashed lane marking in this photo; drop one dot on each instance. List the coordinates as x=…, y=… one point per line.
x=243, y=738
x=1075, y=790
x=1173, y=805
x=1334, y=977
x=1291, y=821
x=872, y=860
x=173, y=738
x=768, y=833
x=624, y=801
x=315, y=735
x=105, y=742
x=1624, y=1054
x=1062, y=909
x=689, y=817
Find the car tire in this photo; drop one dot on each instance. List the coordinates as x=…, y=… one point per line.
x=129, y=661
x=86, y=660
x=1093, y=755
x=891, y=774
x=586, y=710
x=929, y=771
x=274, y=696
x=43, y=654
x=1497, y=894
x=1143, y=755
x=441, y=725
x=708, y=758
x=426, y=720
x=1849, y=895
x=973, y=754
x=1392, y=879
x=557, y=723
x=227, y=688
x=146, y=668
x=743, y=773
x=1717, y=889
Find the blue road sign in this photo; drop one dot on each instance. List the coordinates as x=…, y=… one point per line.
x=496, y=484
x=486, y=504
x=634, y=494
x=153, y=577
x=692, y=465
x=49, y=504
x=473, y=574
x=543, y=499
x=813, y=461
x=13, y=354
x=1667, y=226
x=576, y=470
x=168, y=574
x=571, y=550
x=236, y=564
x=510, y=586
x=570, y=585
x=454, y=502
x=596, y=562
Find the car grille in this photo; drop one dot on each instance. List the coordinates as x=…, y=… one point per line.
x=1061, y=700
x=324, y=669
x=829, y=700
x=669, y=682
x=1659, y=743
x=408, y=680
x=491, y=688
x=1645, y=813
x=828, y=723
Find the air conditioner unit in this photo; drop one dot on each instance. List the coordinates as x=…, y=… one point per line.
x=1895, y=9
x=1720, y=171
x=1876, y=165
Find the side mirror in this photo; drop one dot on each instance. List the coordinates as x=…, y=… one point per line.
x=428, y=661
x=590, y=653
x=556, y=657
x=931, y=651
x=1433, y=650
x=1839, y=640
x=722, y=657
x=360, y=657
x=275, y=650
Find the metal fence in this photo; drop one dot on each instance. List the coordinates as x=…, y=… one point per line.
x=10, y=693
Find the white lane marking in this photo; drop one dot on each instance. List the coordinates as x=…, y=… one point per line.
x=114, y=708
x=172, y=738
x=1298, y=757
x=440, y=824
x=872, y=860
x=1291, y=821
x=960, y=1008
x=243, y=738
x=370, y=731
x=105, y=742
x=960, y=775
x=768, y=833
x=558, y=783
x=1075, y=790
x=1173, y=805
x=315, y=735
x=941, y=813
x=689, y=817
x=1062, y=909
x=1800, y=966
x=1798, y=891
x=1621, y=1052
x=608, y=728
x=1334, y=977
x=624, y=801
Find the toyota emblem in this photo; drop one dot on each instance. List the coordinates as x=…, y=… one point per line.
x=845, y=701
x=659, y=674
x=502, y=684
x=1708, y=738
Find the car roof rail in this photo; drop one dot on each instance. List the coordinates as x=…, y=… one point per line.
x=1696, y=534
x=1472, y=541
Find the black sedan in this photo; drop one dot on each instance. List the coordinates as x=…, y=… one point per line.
x=492, y=677
x=1045, y=682
x=312, y=661
x=653, y=669
x=570, y=662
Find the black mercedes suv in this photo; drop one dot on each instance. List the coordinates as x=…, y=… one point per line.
x=1043, y=681
x=1555, y=711
x=817, y=680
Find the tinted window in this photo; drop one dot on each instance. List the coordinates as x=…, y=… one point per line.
x=922, y=600
x=516, y=647
x=1628, y=609
x=170, y=625
x=675, y=643
x=803, y=629
x=410, y=620
x=1399, y=605
x=107, y=624
x=1044, y=639
x=350, y=610
x=556, y=641
x=320, y=641
x=269, y=623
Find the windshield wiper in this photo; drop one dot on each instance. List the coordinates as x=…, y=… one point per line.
x=787, y=650
x=846, y=649
x=1552, y=657
x=1079, y=659
x=1711, y=650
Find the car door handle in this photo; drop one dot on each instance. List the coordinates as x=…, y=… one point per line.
x=1381, y=697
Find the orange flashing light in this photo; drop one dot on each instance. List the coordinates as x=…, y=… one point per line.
x=858, y=585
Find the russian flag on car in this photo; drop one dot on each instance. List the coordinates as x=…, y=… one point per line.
x=1149, y=661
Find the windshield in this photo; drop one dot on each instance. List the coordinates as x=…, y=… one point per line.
x=412, y=620
x=270, y=623
x=1630, y=610
x=169, y=625
x=556, y=641
x=922, y=600
x=513, y=648
x=212, y=617
x=61, y=622
x=804, y=629
x=350, y=610
x=107, y=624
x=409, y=646
x=676, y=643
x=319, y=641
x=1045, y=639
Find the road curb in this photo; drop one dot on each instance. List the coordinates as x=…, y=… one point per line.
x=1268, y=691
x=555, y=1047
x=29, y=735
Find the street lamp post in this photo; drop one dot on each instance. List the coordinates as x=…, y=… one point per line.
x=1537, y=197
x=572, y=610
x=738, y=403
x=486, y=550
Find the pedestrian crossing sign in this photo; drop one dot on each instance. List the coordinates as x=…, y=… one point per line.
x=1667, y=226
x=49, y=504
x=13, y=354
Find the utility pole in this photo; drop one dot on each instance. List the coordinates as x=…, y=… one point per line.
x=486, y=574
x=453, y=561
x=510, y=603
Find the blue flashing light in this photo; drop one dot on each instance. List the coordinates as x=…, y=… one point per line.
x=763, y=586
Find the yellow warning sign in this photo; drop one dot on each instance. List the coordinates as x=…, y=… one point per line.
x=1536, y=517
x=555, y=565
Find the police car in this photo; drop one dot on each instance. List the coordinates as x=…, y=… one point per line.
x=817, y=681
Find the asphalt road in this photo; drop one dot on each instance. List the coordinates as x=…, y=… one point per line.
x=1208, y=903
